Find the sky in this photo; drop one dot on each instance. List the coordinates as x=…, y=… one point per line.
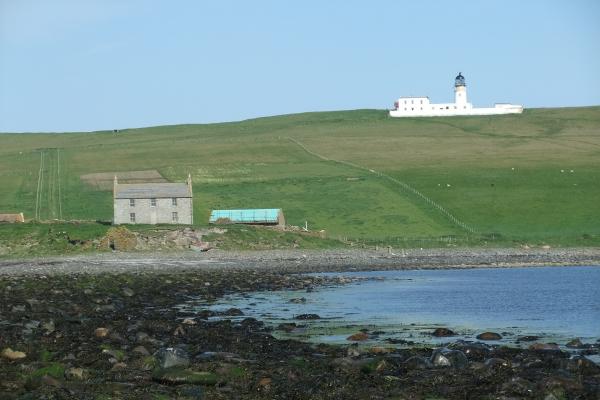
x=85, y=65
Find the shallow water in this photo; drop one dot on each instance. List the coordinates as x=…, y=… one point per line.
x=555, y=303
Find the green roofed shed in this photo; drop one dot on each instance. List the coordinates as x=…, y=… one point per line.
x=261, y=216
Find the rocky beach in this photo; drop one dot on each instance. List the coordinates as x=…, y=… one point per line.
x=107, y=327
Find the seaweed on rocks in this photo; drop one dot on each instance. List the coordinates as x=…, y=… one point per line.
x=119, y=335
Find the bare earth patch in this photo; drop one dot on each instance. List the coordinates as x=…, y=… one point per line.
x=104, y=180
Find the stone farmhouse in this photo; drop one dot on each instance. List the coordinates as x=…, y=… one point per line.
x=153, y=203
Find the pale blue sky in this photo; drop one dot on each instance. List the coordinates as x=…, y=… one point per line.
x=70, y=65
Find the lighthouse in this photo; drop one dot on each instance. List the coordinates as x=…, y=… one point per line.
x=460, y=90
x=421, y=106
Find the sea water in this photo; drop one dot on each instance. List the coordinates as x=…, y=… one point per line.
x=555, y=303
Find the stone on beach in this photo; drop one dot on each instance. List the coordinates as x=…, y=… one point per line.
x=443, y=332
x=489, y=336
x=575, y=344
x=13, y=355
x=177, y=376
x=101, y=333
x=358, y=337
x=307, y=316
x=449, y=358
x=544, y=347
x=172, y=357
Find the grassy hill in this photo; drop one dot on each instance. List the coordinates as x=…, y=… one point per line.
x=358, y=174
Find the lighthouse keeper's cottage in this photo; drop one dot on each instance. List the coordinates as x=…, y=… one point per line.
x=420, y=106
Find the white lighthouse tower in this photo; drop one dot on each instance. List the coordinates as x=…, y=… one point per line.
x=460, y=91
x=420, y=106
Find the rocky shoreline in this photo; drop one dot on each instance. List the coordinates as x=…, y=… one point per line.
x=302, y=260
x=105, y=327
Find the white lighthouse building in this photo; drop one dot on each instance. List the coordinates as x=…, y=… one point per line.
x=422, y=107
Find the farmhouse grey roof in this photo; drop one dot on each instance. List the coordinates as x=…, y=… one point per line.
x=151, y=190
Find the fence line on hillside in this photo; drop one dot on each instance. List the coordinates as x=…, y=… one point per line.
x=404, y=185
x=58, y=179
x=39, y=186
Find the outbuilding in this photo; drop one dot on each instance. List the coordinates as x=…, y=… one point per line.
x=12, y=218
x=261, y=216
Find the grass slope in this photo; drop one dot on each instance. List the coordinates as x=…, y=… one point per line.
x=504, y=176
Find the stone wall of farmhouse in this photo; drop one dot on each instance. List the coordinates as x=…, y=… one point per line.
x=146, y=213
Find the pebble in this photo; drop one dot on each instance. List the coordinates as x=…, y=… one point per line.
x=101, y=332
x=265, y=383
x=176, y=376
x=141, y=350
x=48, y=327
x=76, y=374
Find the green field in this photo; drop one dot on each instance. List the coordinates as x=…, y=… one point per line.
x=359, y=175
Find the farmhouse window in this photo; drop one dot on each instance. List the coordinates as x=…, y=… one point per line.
x=131, y=217
x=175, y=217
x=153, y=202
x=174, y=201
x=131, y=202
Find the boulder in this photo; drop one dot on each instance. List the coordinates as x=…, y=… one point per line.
x=582, y=365
x=449, y=358
x=443, y=332
x=544, y=347
x=519, y=386
x=418, y=362
x=496, y=363
x=358, y=337
x=307, y=316
x=172, y=357
x=528, y=338
x=233, y=312
x=473, y=351
x=286, y=326
x=489, y=336
x=575, y=344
